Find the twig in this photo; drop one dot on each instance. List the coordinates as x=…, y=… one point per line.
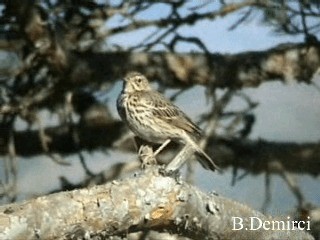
x=267, y=198
x=293, y=186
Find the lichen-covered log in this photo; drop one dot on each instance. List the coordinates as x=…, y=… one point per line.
x=146, y=201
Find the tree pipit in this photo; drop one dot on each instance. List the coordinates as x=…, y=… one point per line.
x=155, y=119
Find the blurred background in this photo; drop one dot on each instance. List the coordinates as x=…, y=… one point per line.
x=245, y=71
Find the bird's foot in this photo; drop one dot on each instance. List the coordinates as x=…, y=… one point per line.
x=175, y=173
x=146, y=156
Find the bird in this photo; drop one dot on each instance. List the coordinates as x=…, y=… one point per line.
x=154, y=118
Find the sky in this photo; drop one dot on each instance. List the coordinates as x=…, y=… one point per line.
x=286, y=112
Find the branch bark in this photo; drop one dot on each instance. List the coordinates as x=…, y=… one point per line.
x=146, y=201
x=287, y=63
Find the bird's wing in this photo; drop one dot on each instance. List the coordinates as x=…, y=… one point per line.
x=166, y=111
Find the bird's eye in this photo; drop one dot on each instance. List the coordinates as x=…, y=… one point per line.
x=139, y=80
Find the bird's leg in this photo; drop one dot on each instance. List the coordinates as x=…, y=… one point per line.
x=185, y=153
x=163, y=145
x=146, y=156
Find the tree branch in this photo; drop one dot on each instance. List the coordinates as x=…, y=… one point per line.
x=290, y=62
x=252, y=156
x=287, y=63
x=262, y=155
x=146, y=201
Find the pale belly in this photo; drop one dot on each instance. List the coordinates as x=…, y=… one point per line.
x=149, y=132
x=146, y=126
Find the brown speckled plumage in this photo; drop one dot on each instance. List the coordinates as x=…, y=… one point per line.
x=154, y=118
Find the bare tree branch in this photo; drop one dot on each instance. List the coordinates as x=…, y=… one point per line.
x=253, y=156
x=146, y=201
x=287, y=63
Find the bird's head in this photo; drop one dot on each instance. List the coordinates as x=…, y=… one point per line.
x=135, y=81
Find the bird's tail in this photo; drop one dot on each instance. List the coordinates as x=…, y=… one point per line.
x=203, y=158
